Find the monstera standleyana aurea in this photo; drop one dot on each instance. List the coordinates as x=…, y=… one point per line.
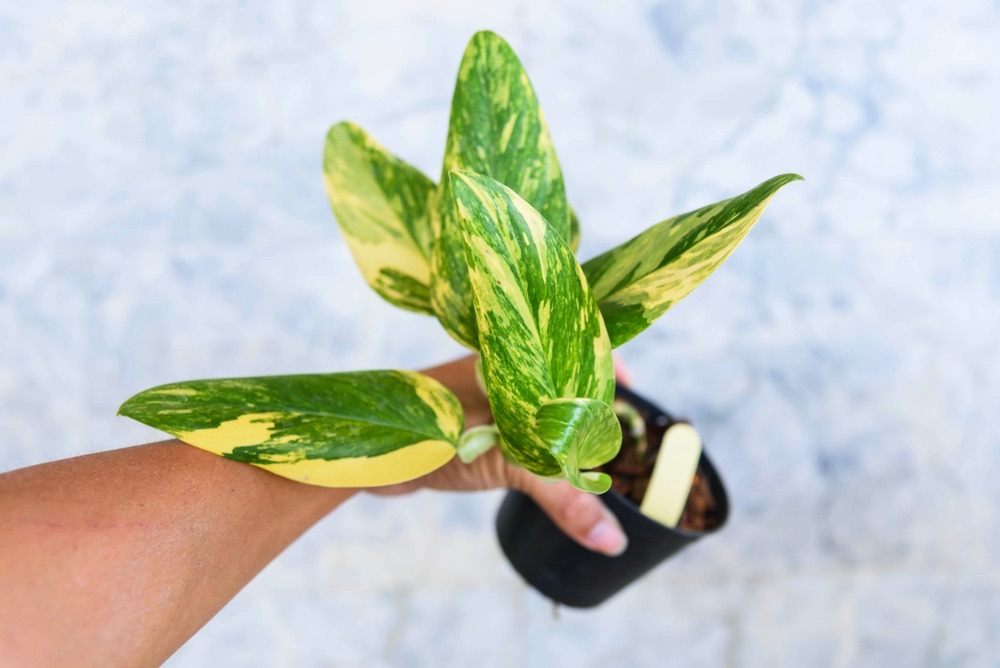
x=489, y=251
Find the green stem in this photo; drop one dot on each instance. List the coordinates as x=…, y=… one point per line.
x=636, y=426
x=476, y=441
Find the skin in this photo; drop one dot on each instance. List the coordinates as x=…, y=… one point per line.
x=117, y=558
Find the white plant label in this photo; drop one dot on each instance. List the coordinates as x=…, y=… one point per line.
x=673, y=474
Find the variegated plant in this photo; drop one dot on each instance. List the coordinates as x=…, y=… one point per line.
x=489, y=251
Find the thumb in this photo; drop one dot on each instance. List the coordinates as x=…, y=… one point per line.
x=581, y=515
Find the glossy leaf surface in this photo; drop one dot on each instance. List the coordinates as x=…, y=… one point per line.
x=582, y=434
x=540, y=331
x=496, y=129
x=359, y=429
x=381, y=204
x=639, y=280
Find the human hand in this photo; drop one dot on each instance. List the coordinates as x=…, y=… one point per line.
x=581, y=515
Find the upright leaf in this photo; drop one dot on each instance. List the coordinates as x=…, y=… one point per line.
x=381, y=204
x=639, y=280
x=540, y=331
x=496, y=129
x=359, y=429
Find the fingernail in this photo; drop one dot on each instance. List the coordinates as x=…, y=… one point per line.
x=607, y=538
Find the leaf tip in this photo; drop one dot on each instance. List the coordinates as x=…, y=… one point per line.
x=464, y=182
x=341, y=126
x=465, y=175
x=769, y=188
x=123, y=410
x=592, y=481
x=482, y=37
x=785, y=179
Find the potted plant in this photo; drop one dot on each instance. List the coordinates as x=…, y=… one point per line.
x=488, y=250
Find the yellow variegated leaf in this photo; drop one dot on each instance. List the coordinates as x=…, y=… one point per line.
x=450, y=293
x=361, y=429
x=381, y=204
x=639, y=280
x=497, y=129
x=582, y=434
x=540, y=331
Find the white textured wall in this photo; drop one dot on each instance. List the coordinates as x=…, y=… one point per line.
x=162, y=218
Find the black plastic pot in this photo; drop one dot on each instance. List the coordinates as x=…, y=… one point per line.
x=572, y=575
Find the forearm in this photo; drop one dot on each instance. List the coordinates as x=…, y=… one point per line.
x=117, y=558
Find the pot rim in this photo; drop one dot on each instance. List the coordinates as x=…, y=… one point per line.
x=704, y=463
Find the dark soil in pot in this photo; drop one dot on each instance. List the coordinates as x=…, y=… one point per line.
x=572, y=575
x=631, y=470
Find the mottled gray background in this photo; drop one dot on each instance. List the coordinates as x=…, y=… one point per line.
x=162, y=218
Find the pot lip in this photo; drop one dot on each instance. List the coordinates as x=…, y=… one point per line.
x=705, y=462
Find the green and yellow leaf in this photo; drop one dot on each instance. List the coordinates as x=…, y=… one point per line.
x=636, y=282
x=382, y=206
x=582, y=434
x=497, y=129
x=450, y=293
x=361, y=429
x=540, y=331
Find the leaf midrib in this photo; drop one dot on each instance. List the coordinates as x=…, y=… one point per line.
x=330, y=415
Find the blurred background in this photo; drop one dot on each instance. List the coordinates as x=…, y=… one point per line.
x=162, y=218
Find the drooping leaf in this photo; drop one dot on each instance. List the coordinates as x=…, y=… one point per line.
x=540, y=330
x=360, y=429
x=497, y=129
x=582, y=433
x=382, y=206
x=636, y=282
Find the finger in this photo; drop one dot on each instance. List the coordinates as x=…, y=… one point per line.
x=580, y=515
